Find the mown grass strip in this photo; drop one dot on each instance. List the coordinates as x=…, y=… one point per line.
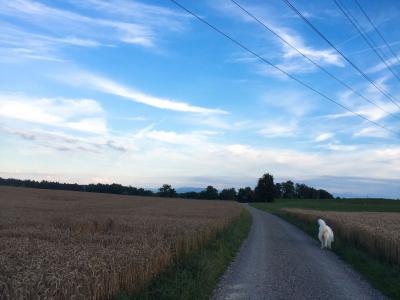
x=381, y=274
x=196, y=275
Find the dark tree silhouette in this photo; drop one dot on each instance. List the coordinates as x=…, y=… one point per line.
x=288, y=190
x=228, y=194
x=265, y=189
x=189, y=195
x=210, y=193
x=245, y=195
x=166, y=191
x=285, y=189
x=278, y=190
x=324, y=194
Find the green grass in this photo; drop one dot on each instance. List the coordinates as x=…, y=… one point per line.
x=196, y=275
x=378, y=205
x=381, y=274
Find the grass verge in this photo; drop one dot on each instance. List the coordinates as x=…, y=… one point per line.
x=356, y=205
x=381, y=275
x=196, y=275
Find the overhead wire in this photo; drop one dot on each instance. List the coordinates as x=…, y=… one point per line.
x=349, y=16
x=305, y=19
x=378, y=32
x=278, y=68
x=311, y=60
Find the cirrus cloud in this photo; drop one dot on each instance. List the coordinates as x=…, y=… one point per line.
x=105, y=85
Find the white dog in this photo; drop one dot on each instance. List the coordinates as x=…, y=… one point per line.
x=325, y=234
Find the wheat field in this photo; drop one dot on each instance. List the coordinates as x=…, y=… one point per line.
x=376, y=232
x=75, y=245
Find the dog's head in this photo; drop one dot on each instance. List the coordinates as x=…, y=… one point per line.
x=321, y=222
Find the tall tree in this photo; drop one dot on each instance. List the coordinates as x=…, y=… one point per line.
x=323, y=194
x=166, y=191
x=209, y=193
x=228, y=194
x=278, y=190
x=245, y=195
x=265, y=189
x=288, y=190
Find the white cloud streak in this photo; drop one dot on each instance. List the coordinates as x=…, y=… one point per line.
x=62, y=21
x=108, y=86
x=278, y=129
x=53, y=28
x=84, y=115
x=383, y=65
x=372, y=132
x=324, y=136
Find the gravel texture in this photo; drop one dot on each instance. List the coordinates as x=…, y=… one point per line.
x=279, y=261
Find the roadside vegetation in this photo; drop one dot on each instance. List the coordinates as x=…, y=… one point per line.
x=378, y=233
x=377, y=205
x=196, y=275
x=367, y=233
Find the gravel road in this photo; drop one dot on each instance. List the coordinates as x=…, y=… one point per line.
x=279, y=261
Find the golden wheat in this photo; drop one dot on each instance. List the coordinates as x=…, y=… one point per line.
x=73, y=245
x=376, y=232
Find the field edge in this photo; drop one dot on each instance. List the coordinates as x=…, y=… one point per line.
x=380, y=274
x=196, y=275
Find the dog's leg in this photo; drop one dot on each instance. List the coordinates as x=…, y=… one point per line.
x=321, y=240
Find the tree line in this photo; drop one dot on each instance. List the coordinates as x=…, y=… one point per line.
x=95, y=188
x=265, y=191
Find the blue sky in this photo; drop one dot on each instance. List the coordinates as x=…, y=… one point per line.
x=141, y=93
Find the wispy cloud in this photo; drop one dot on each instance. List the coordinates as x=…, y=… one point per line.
x=324, y=136
x=372, y=132
x=288, y=58
x=340, y=147
x=62, y=141
x=53, y=140
x=101, y=84
x=171, y=137
x=55, y=20
x=381, y=110
x=293, y=102
x=324, y=57
x=134, y=119
x=79, y=114
x=383, y=65
x=278, y=129
x=152, y=15
x=52, y=28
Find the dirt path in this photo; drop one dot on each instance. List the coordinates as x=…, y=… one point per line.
x=279, y=261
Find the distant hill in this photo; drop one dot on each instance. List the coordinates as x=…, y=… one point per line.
x=189, y=189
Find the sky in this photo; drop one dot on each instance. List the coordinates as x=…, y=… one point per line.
x=142, y=93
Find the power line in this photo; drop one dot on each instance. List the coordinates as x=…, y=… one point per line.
x=378, y=32
x=386, y=94
x=278, y=68
x=368, y=40
x=310, y=60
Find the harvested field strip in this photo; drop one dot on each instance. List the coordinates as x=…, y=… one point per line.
x=63, y=244
x=377, y=233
